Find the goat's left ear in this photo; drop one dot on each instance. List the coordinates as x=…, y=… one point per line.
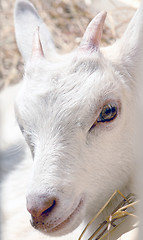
x=128, y=51
x=29, y=41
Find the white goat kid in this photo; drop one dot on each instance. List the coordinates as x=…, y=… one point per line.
x=76, y=113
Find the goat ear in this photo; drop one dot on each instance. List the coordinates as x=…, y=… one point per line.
x=128, y=51
x=27, y=20
x=93, y=33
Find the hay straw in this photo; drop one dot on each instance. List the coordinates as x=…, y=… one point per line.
x=118, y=213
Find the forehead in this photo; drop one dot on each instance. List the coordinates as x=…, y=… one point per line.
x=68, y=70
x=68, y=82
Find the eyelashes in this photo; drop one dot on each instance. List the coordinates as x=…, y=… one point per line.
x=107, y=114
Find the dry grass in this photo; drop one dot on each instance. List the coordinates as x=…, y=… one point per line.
x=124, y=209
x=67, y=21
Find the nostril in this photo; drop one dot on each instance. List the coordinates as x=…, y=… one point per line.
x=49, y=209
x=40, y=206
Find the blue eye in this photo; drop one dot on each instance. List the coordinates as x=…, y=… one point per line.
x=108, y=113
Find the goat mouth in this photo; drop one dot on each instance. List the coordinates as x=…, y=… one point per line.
x=60, y=227
x=63, y=224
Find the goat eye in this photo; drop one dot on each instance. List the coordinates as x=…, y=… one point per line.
x=108, y=113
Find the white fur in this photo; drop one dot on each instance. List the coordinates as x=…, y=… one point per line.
x=59, y=100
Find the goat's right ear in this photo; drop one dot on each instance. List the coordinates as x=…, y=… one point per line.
x=127, y=52
x=26, y=21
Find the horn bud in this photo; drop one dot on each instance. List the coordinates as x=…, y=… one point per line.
x=93, y=33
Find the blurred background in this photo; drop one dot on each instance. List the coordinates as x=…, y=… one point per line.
x=67, y=20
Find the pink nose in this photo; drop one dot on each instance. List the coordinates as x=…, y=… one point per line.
x=40, y=205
